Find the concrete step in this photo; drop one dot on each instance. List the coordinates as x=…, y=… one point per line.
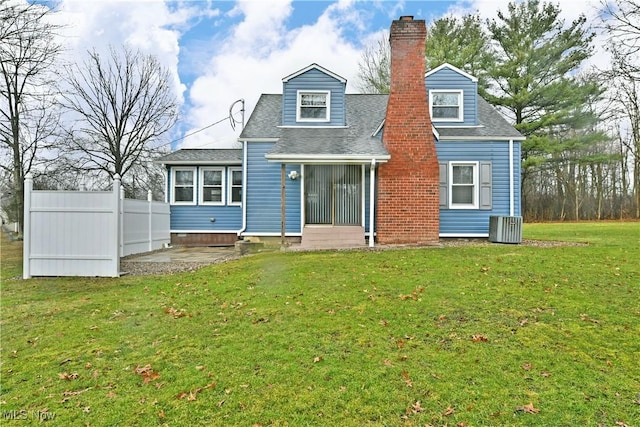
x=332, y=237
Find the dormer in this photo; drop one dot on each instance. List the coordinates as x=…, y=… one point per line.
x=453, y=96
x=313, y=97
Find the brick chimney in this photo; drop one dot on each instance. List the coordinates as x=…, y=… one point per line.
x=408, y=205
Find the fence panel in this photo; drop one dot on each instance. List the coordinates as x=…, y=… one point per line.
x=69, y=233
x=145, y=226
x=80, y=233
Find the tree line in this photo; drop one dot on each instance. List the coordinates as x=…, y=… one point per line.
x=76, y=125
x=581, y=158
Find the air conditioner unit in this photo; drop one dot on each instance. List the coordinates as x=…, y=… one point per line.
x=505, y=229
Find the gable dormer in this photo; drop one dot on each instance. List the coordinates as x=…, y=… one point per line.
x=453, y=96
x=313, y=96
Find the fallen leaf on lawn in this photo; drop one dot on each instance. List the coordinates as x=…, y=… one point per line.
x=317, y=359
x=479, y=338
x=387, y=362
x=528, y=409
x=413, y=295
x=191, y=395
x=75, y=393
x=586, y=318
x=449, y=411
x=545, y=374
x=68, y=377
x=111, y=394
x=175, y=313
x=621, y=424
x=416, y=407
x=147, y=373
x=407, y=380
x=527, y=366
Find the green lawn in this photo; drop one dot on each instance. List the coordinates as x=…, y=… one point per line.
x=461, y=336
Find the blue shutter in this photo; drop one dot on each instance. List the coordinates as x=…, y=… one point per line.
x=444, y=185
x=485, y=186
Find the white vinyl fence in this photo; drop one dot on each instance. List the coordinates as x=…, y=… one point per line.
x=84, y=233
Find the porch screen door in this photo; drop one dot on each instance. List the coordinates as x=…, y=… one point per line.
x=333, y=194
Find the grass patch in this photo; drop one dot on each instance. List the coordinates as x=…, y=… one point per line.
x=496, y=335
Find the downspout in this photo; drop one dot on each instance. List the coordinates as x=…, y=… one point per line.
x=372, y=194
x=511, y=180
x=165, y=178
x=244, y=188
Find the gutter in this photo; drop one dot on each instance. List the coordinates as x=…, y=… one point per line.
x=244, y=188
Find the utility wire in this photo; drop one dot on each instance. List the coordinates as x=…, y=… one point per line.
x=230, y=117
x=194, y=132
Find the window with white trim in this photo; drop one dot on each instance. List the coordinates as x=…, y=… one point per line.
x=235, y=186
x=313, y=106
x=183, y=186
x=446, y=105
x=463, y=185
x=212, y=184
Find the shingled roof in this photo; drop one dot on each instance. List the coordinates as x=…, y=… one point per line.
x=356, y=141
x=492, y=126
x=365, y=114
x=208, y=156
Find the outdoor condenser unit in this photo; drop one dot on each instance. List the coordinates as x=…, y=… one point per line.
x=505, y=229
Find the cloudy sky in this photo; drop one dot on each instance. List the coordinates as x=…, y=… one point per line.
x=221, y=51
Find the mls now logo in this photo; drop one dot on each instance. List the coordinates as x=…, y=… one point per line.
x=23, y=414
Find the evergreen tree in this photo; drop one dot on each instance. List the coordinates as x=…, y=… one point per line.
x=461, y=42
x=536, y=59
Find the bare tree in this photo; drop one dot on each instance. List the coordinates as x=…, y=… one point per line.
x=621, y=20
x=374, y=75
x=123, y=105
x=28, y=52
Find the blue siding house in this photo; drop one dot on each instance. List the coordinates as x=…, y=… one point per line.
x=314, y=161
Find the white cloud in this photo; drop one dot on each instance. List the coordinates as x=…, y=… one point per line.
x=148, y=25
x=259, y=53
x=247, y=50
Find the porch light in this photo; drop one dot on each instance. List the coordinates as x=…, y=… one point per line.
x=293, y=175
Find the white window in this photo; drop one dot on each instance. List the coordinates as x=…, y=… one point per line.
x=235, y=186
x=463, y=185
x=313, y=106
x=446, y=105
x=183, y=186
x=212, y=184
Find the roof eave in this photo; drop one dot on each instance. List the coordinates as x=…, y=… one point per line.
x=198, y=162
x=258, y=139
x=324, y=158
x=482, y=138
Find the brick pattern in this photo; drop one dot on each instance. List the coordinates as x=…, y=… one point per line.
x=408, y=193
